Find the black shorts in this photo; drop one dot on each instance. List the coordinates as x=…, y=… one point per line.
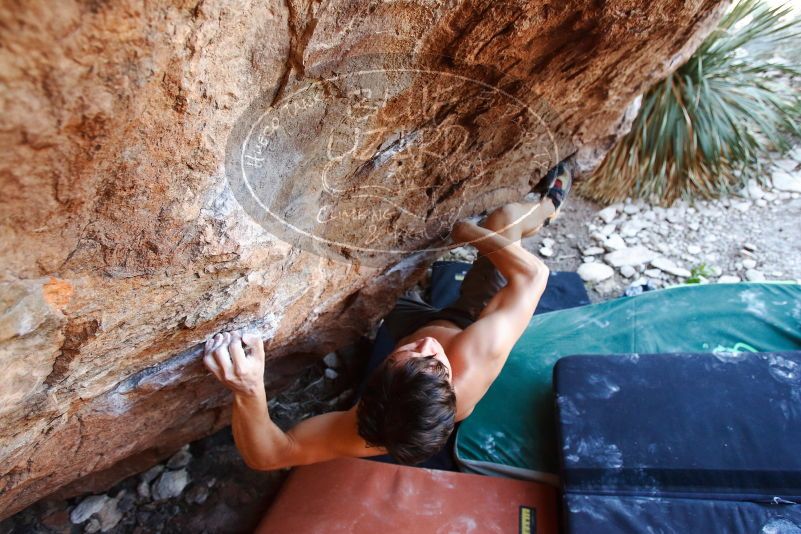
x=480, y=284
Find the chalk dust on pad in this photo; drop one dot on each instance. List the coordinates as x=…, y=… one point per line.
x=568, y=410
x=781, y=526
x=754, y=302
x=594, y=450
x=601, y=387
x=784, y=370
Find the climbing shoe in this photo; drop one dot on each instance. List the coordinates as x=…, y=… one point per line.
x=559, y=181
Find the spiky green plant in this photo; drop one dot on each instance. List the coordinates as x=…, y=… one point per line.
x=699, y=273
x=700, y=131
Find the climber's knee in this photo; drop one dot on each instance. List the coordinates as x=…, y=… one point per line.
x=505, y=220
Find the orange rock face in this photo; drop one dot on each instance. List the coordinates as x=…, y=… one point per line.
x=173, y=169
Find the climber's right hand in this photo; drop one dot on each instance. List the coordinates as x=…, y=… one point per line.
x=239, y=370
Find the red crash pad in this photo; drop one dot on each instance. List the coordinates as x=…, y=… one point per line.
x=360, y=496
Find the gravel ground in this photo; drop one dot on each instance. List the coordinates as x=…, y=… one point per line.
x=725, y=236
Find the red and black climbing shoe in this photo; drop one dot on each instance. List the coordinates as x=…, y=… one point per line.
x=559, y=182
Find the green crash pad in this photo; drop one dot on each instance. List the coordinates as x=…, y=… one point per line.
x=512, y=431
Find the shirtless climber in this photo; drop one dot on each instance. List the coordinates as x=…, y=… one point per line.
x=442, y=365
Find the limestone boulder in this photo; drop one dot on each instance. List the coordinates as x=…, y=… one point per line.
x=172, y=169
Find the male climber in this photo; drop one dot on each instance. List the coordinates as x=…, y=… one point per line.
x=443, y=363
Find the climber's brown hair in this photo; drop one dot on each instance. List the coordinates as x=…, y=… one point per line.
x=409, y=408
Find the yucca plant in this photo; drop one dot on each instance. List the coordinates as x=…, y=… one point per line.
x=700, y=131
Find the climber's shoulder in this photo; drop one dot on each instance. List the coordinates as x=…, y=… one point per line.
x=329, y=436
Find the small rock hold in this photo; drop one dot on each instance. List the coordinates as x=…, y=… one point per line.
x=597, y=236
x=548, y=242
x=749, y=246
x=753, y=190
x=170, y=484
x=126, y=501
x=665, y=265
x=752, y=275
x=595, y=272
x=614, y=242
x=742, y=206
x=330, y=374
x=143, y=489
x=110, y=514
x=180, y=459
x=628, y=271
x=92, y=526
x=88, y=507
x=629, y=256
x=631, y=209
x=642, y=281
x=693, y=249
x=607, y=214
x=748, y=263
x=784, y=181
x=546, y=252
x=788, y=165
x=331, y=360
x=653, y=273
x=197, y=494
x=151, y=474
x=632, y=227
x=607, y=286
x=592, y=251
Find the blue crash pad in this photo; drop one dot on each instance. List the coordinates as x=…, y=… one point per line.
x=685, y=441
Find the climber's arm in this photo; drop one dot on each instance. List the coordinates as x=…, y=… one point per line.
x=262, y=444
x=484, y=346
x=324, y=437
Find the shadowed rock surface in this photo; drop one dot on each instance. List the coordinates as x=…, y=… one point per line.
x=122, y=241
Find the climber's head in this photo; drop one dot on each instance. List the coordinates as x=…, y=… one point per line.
x=408, y=405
